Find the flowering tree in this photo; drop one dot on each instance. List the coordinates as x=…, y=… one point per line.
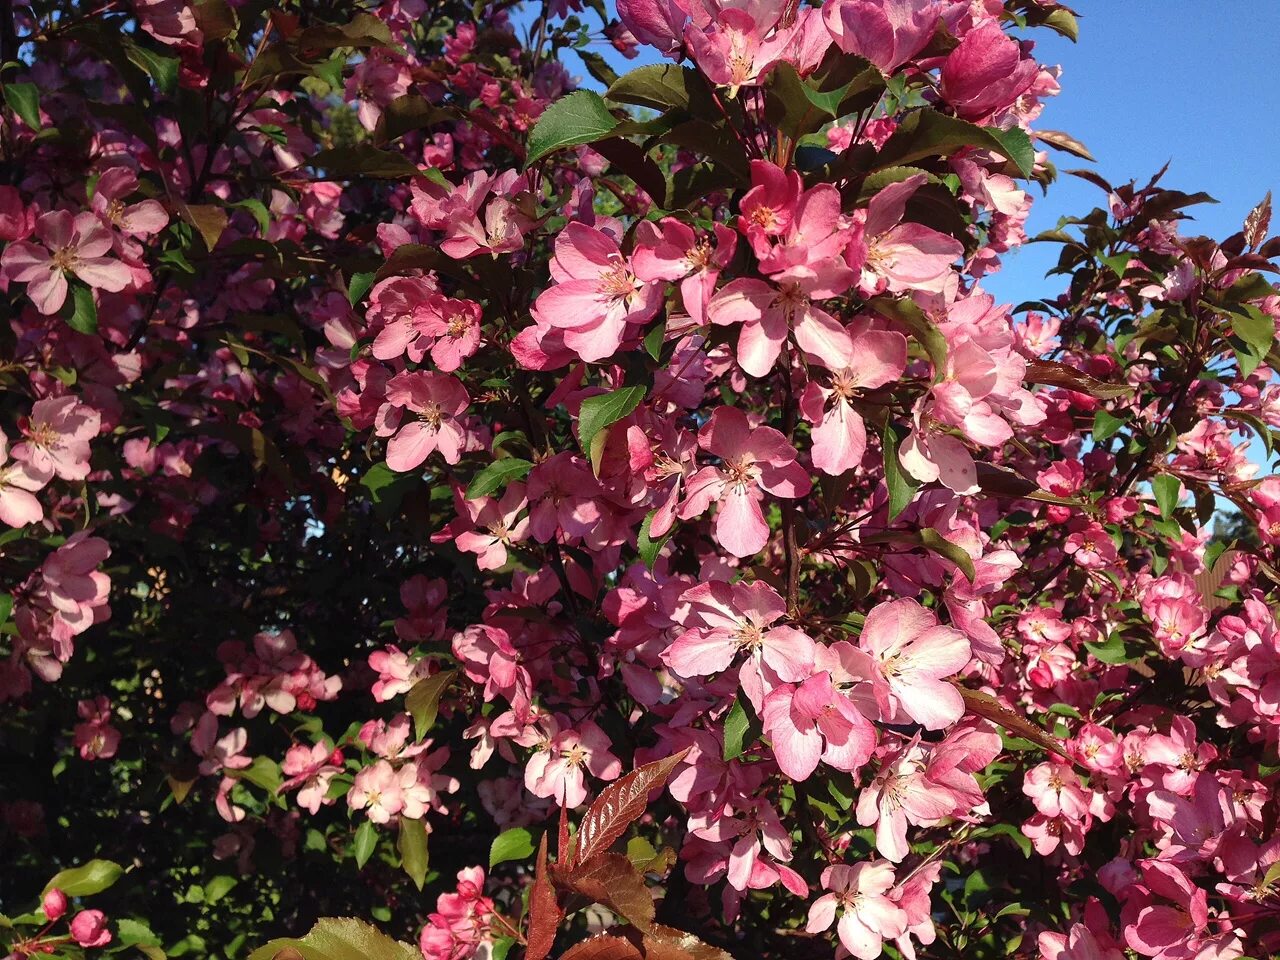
x=608, y=519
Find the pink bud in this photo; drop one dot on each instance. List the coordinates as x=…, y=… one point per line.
x=54, y=904
x=89, y=928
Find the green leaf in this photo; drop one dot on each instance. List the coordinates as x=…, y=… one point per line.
x=209, y=219
x=1063, y=21
x=597, y=66
x=359, y=285
x=412, y=844
x=1066, y=143
x=1118, y=262
x=259, y=210
x=1016, y=145
x=1254, y=327
x=1112, y=650
x=86, y=879
x=658, y=86
x=654, y=339
x=342, y=938
x=1167, y=489
x=741, y=729
x=263, y=772
x=496, y=476
x=901, y=485
x=1105, y=425
x=6, y=606
x=135, y=933
x=924, y=330
x=24, y=100
x=218, y=887
x=601, y=411
x=163, y=70
x=581, y=117
x=330, y=71
x=423, y=700
x=943, y=547
x=365, y=843
x=387, y=488
x=513, y=844
x=648, y=547
x=927, y=133
x=84, y=314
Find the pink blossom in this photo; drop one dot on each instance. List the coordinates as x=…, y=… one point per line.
x=896, y=256
x=886, y=32
x=89, y=928
x=1089, y=545
x=462, y=921
x=68, y=244
x=312, y=769
x=725, y=620
x=672, y=251
x=813, y=722
x=19, y=482
x=913, y=656
x=397, y=673
x=54, y=904
x=378, y=790
x=1079, y=943
x=96, y=738
x=658, y=23
x=986, y=72
x=57, y=437
x=1056, y=791
x=753, y=460
x=132, y=219
x=489, y=527
x=436, y=401
x=17, y=220
x=867, y=915
x=839, y=436
x=557, y=768
x=903, y=792
x=596, y=293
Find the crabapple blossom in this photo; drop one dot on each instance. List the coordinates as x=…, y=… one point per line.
x=724, y=621
x=867, y=915
x=753, y=461
x=912, y=656
x=434, y=401
x=67, y=245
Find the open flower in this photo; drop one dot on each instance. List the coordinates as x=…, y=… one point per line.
x=867, y=915
x=914, y=655
x=596, y=293
x=436, y=400
x=68, y=245
x=751, y=461
x=726, y=620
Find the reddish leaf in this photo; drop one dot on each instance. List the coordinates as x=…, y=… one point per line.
x=668, y=943
x=544, y=910
x=619, y=805
x=603, y=947
x=610, y=879
x=1064, y=142
x=989, y=708
x=1055, y=374
x=1258, y=222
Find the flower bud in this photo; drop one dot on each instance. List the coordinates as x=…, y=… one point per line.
x=54, y=904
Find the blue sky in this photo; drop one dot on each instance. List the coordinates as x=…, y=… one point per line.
x=1153, y=81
